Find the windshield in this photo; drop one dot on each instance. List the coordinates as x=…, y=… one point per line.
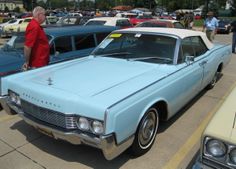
x=138, y=47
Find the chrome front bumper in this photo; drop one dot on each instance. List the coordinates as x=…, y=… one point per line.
x=107, y=143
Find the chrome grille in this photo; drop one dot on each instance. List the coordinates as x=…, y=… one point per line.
x=49, y=116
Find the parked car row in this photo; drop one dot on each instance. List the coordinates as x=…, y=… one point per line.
x=19, y=25
x=115, y=98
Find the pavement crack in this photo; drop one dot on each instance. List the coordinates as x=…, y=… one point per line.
x=32, y=159
x=7, y=153
x=16, y=149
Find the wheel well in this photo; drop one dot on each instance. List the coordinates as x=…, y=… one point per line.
x=220, y=67
x=161, y=107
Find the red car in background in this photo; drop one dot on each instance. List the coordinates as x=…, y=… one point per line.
x=161, y=23
x=140, y=18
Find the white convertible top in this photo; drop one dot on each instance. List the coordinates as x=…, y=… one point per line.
x=111, y=21
x=181, y=33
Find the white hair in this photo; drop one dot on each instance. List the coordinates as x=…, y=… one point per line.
x=37, y=10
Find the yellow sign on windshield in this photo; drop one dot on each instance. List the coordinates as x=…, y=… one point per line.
x=115, y=35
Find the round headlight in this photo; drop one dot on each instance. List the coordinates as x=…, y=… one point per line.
x=216, y=148
x=97, y=127
x=232, y=156
x=83, y=123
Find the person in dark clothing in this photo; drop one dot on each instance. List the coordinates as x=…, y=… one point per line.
x=233, y=25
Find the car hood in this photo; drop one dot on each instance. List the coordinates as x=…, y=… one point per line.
x=91, y=77
x=223, y=124
x=87, y=85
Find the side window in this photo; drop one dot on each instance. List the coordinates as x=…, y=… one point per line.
x=187, y=47
x=199, y=46
x=181, y=58
x=101, y=36
x=84, y=41
x=63, y=44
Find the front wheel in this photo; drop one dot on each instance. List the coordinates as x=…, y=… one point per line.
x=146, y=133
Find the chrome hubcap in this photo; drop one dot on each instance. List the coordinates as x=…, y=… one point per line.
x=147, y=129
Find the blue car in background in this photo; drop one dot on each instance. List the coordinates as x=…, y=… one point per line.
x=66, y=43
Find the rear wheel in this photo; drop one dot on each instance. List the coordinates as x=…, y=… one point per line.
x=146, y=133
x=213, y=81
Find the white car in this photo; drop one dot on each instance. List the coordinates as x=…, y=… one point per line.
x=110, y=21
x=4, y=26
x=218, y=141
x=20, y=27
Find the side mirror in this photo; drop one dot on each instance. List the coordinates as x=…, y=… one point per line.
x=189, y=59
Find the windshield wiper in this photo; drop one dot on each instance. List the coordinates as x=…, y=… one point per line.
x=152, y=57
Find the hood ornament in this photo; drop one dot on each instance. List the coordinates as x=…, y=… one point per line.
x=49, y=81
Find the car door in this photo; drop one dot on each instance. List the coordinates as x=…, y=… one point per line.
x=191, y=72
x=205, y=58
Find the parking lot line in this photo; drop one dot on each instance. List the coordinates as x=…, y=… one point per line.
x=185, y=149
x=6, y=118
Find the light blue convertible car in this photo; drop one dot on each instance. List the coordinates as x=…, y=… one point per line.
x=115, y=98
